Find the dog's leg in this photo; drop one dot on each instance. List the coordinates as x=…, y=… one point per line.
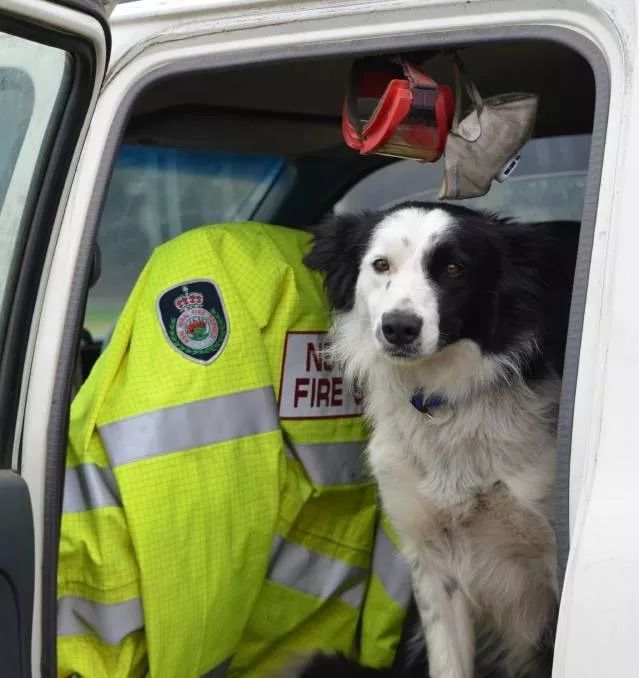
x=447, y=623
x=529, y=639
x=528, y=661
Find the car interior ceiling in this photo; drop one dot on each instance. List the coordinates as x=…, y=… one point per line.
x=292, y=109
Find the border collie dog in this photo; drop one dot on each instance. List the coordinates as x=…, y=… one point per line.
x=453, y=323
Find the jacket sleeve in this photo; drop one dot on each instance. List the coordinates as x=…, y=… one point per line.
x=100, y=625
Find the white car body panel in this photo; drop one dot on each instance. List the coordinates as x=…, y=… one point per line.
x=599, y=617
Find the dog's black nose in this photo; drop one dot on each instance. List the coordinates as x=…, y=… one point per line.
x=401, y=328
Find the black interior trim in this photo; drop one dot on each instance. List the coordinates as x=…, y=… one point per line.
x=202, y=127
x=577, y=309
x=561, y=76
x=582, y=45
x=140, y=122
x=16, y=575
x=302, y=210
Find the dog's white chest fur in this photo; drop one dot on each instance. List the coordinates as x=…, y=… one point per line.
x=463, y=450
x=429, y=466
x=470, y=493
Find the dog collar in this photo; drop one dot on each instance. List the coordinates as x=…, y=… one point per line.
x=427, y=405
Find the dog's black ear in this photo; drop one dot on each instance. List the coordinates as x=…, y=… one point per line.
x=338, y=247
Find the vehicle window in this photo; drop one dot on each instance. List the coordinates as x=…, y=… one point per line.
x=548, y=183
x=34, y=82
x=16, y=103
x=157, y=193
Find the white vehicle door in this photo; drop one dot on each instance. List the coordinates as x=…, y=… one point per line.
x=53, y=57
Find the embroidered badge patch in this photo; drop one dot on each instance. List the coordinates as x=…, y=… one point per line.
x=193, y=320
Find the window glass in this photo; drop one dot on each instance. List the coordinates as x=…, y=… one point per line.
x=16, y=104
x=34, y=82
x=156, y=194
x=548, y=183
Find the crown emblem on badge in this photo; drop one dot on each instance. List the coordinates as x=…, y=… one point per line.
x=188, y=300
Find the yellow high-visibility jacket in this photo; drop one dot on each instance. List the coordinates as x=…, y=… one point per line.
x=217, y=517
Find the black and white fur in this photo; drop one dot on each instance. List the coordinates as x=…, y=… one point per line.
x=472, y=309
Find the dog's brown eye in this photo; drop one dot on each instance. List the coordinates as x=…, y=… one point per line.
x=381, y=265
x=453, y=270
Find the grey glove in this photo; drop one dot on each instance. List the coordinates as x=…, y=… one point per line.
x=479, y=146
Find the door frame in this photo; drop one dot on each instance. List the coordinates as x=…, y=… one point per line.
x=80, y=28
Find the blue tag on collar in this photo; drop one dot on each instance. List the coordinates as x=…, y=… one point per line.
x=427, y=405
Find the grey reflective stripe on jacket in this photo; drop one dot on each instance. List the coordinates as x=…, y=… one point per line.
x=316, y=574
x=335, y=463
x=223, y=418
x=110, y=622
x=89, y=486
x=194, y=424
x=391, y=569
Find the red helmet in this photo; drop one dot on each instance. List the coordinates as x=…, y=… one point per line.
x=412, y=115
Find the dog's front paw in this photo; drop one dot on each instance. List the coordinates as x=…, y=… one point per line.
x=449, y=672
